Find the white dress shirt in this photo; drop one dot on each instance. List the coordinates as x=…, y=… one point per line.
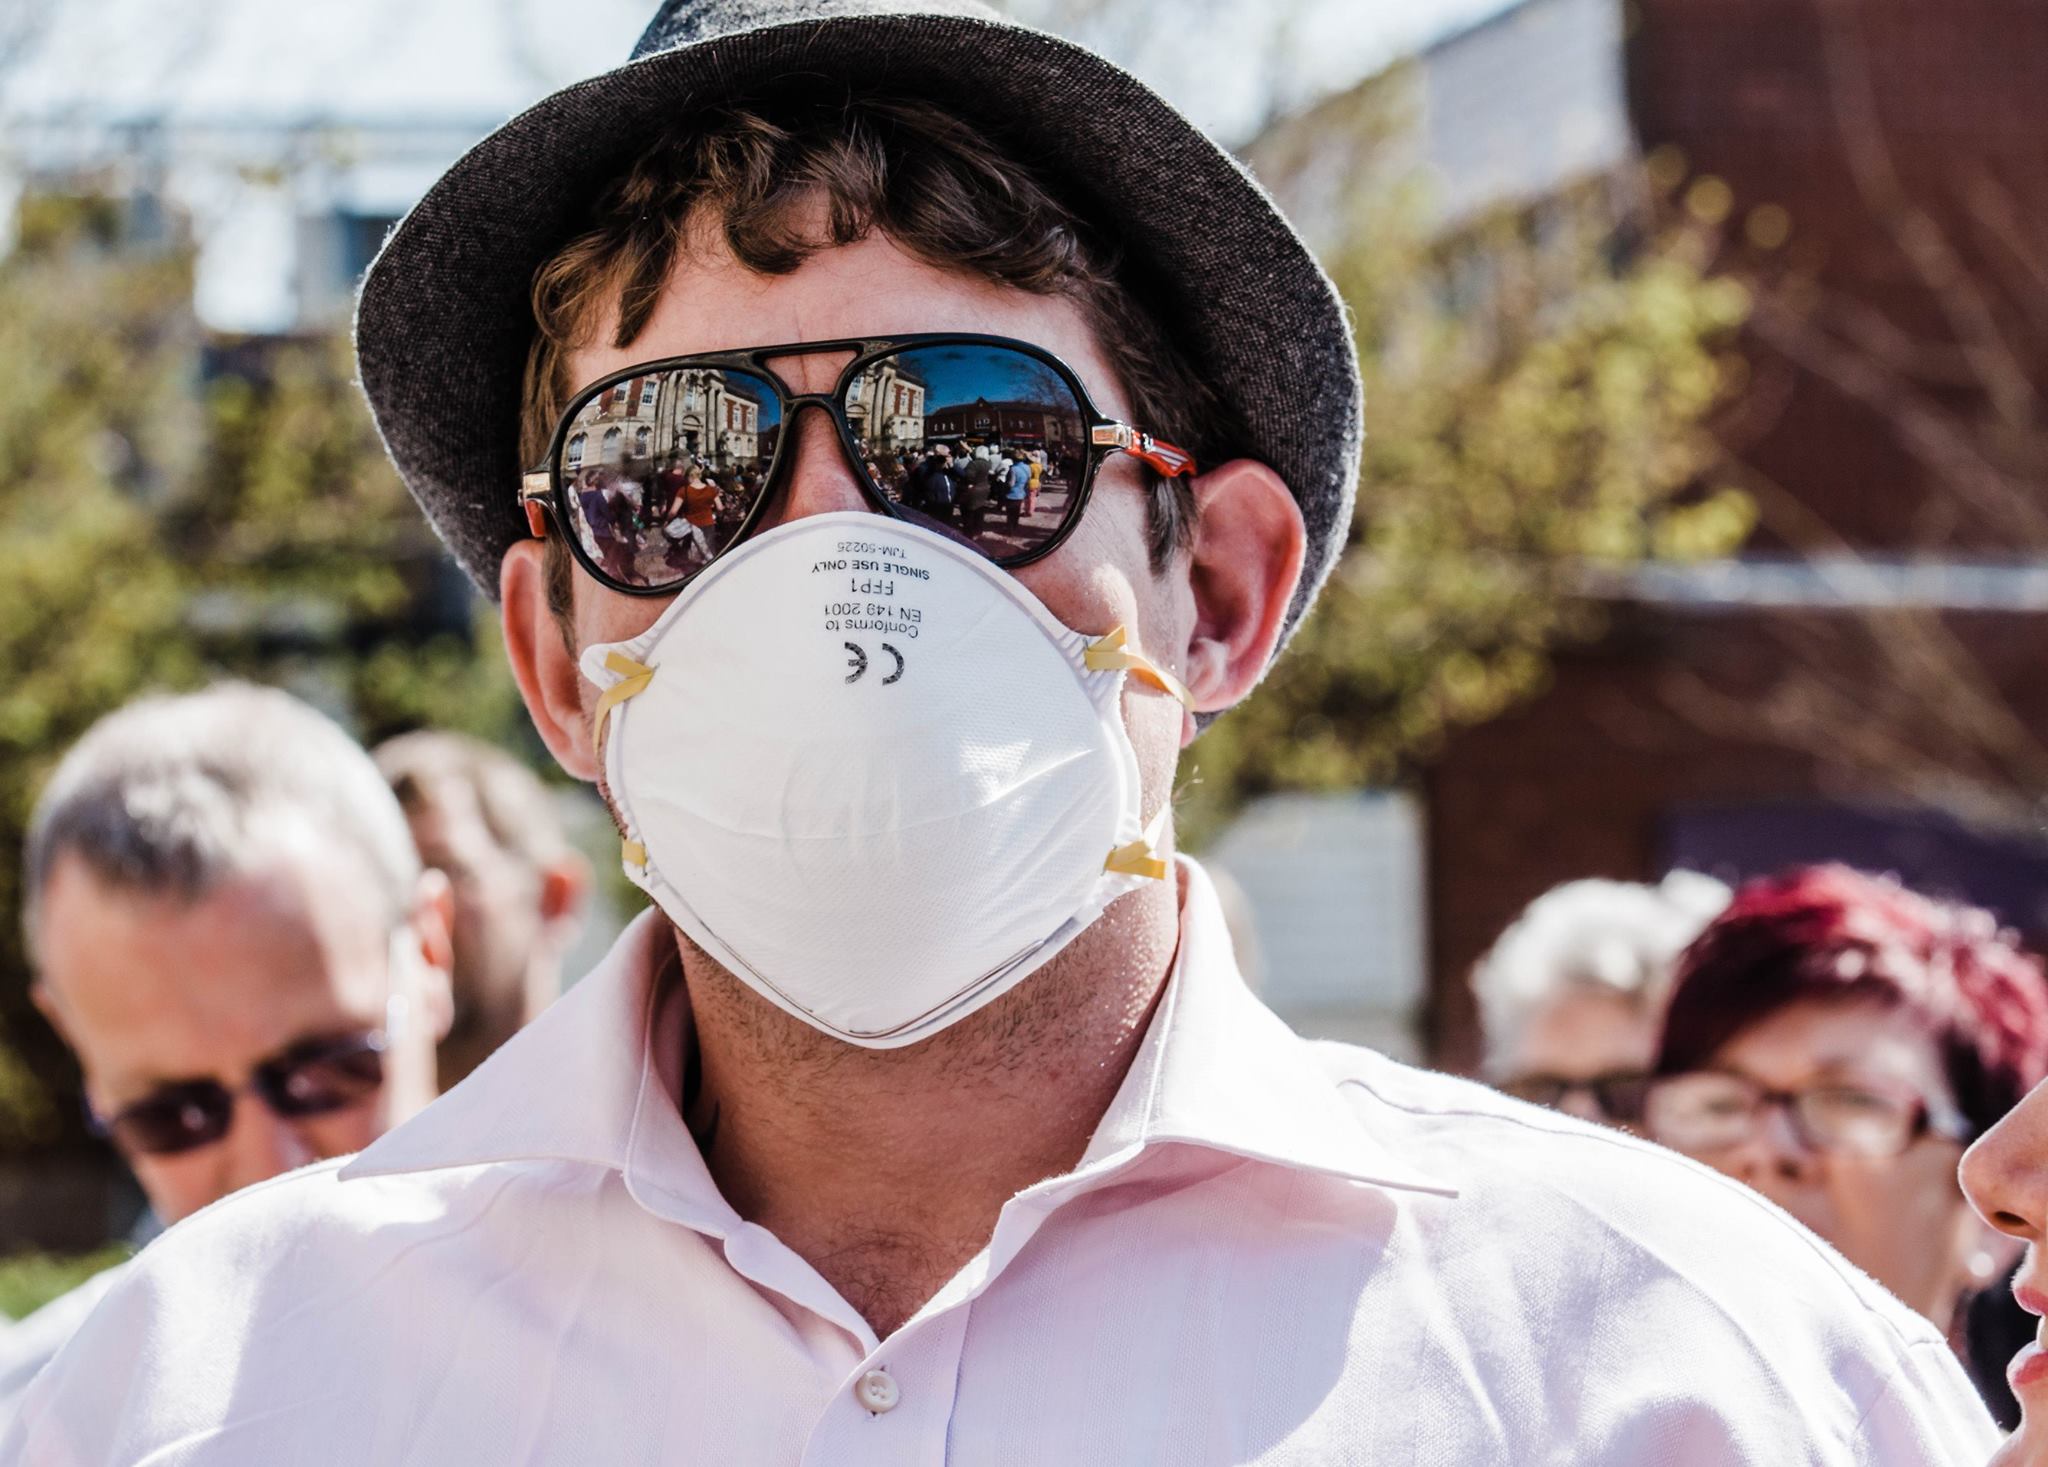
x=31, y=1342
x=1274, y=1251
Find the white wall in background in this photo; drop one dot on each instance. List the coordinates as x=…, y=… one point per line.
x=1334, y=887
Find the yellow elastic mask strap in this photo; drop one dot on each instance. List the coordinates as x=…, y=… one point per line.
x=1140, y=857
x=634, y=852
x=633, y=678
x=1113, y=652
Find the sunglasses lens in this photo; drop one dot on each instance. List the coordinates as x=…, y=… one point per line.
x=1537, y=1091
x=176, y=1118
x=1622, y=1097
x=323, y=1076
x=985, y=443
x=663, y=469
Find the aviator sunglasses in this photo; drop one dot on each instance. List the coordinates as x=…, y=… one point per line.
x=310, y=1078
x=657, y=470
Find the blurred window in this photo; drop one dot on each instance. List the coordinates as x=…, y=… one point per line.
x=362, y=235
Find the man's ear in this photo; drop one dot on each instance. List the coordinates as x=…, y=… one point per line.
x=564, y=889
x=549, y=680
x=1244, y=566
x=51, y=1009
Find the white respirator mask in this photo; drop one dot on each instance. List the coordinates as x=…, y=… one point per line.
x=872, y=775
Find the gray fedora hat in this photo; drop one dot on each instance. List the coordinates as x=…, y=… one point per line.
x=445, y=322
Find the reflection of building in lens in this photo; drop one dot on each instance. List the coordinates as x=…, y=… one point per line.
x=1013, y=424
x=885, y=405
x=619, y=419
x=709, y=414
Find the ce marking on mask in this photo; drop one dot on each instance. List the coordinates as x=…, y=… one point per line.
x=875, y=574
x=859, y=663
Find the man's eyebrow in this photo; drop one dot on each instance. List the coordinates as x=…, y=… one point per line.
x=149, y=1083
x=154, y=1081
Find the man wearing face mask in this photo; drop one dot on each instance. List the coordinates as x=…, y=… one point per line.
x=925, y=1117
x=232, y=932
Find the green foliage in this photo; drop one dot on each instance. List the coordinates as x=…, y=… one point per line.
x=28, y=1281
x=1533, y=413
x=161, y=526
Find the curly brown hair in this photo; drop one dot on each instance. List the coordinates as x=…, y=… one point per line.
x=782, y=177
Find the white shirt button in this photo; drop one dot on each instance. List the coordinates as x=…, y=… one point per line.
x=877, y=1391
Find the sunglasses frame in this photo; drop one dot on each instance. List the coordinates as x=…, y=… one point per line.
x=543, y=491
x=266, y=1079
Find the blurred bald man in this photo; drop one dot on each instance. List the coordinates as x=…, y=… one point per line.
x=487, y=822
x=232, y=931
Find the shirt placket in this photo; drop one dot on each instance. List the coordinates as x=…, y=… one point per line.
x=896, y=1405
x=893, y=1400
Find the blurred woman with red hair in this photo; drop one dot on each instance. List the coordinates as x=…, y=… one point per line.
x=1835, y=1041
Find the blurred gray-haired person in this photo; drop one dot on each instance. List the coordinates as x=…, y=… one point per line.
x=485, y=821
x=1572, y=993
x=231, y=930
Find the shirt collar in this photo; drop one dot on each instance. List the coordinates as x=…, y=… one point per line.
x=587, y=1082
x=567, y=1087
x=1218, y=1069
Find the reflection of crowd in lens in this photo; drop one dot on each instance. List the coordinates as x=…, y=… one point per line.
x=644, y=523
x=648, y=524
x=1005, y=497
x=662, y=469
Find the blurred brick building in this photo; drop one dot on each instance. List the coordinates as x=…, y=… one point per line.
x=1866, y=681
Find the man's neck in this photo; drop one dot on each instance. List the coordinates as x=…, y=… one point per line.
x=886, y=1169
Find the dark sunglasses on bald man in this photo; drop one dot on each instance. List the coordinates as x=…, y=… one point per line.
x=657, y=470
x=310, y=1078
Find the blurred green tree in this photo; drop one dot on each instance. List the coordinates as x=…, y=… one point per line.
x=1536, y=384
x=173, y=510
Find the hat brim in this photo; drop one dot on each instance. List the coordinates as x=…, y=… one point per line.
x=445, y=323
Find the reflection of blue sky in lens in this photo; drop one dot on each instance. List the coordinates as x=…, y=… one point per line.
x=961, y=374
x=746, y=385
